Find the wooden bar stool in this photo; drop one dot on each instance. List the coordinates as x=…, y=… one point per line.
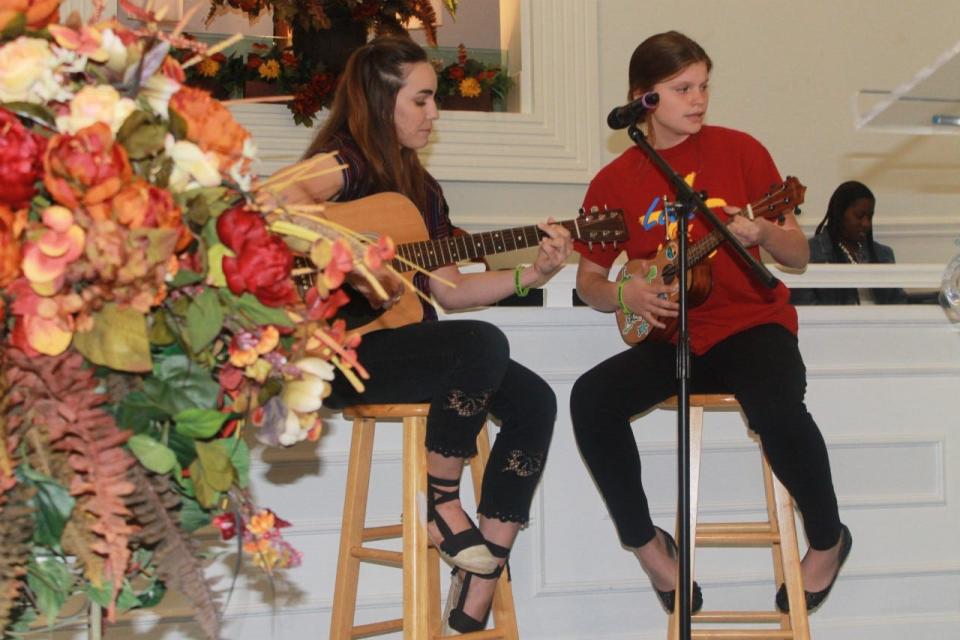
x=778, y=531
x=419, y=560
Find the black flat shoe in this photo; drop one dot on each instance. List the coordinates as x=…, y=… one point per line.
x=815, y=598
x=466, y=550
x=667, y=598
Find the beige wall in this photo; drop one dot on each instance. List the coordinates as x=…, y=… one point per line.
x=785, y=71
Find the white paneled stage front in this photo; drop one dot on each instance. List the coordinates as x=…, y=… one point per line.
x=884, y=385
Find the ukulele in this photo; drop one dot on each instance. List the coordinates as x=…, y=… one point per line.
x=392, y=214
x=664, y=267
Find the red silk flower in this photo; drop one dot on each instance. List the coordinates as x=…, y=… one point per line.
x=21, y=153
x=262, y=263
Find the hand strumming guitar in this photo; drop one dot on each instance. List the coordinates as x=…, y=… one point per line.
x=651, y=301
x=392, y=283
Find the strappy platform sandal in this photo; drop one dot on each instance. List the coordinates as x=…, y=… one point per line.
x=667, y=598
x=466, y=550
x=455, y=619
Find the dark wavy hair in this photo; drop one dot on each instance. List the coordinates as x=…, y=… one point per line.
x=844, y=196
x=363, y=107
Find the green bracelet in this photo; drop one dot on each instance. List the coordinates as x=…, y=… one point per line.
x=623, y=305
x=520, y=290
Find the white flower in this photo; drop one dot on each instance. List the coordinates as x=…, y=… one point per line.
x=249, y=148
x=157, y=90
x=191, y=166
x=96, y=104
x=292, y=432
x=27, y=72
x=316, y=367
x=116, y=52
x=306, y=394
x=243, y=179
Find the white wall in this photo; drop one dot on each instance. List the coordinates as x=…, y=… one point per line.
x=785, y=72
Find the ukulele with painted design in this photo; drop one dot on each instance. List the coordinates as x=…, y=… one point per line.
x=664, y=267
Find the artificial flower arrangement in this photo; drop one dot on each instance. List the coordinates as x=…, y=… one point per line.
x=273, y=64
x=379, y=16
x=311, y=85
x=266, y=70
x=469, y=78
x=220, y=73
x=277, y=70
x=148, y=320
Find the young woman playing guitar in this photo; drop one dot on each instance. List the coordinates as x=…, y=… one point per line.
x=743, y=336
x=382, y=114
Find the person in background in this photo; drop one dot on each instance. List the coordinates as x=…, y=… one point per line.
x=845, y=236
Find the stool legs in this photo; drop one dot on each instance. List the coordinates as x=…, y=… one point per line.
x=351, y=533
x=419, y=559
x=787, y=554
x=779, y=531
x=416, y=572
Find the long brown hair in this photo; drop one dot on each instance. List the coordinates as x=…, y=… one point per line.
x=363, y=106
x=662, y=56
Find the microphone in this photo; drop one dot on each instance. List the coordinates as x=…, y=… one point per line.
x=623, y=117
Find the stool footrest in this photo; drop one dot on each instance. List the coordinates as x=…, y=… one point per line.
x=376, y=628
x=722, y=539
x=377, y=411
x=366, y=554
x=383, y=533
x=761, y=526
x=741, y=634
x=487, y=634
x=736, y=534
x=751, y=617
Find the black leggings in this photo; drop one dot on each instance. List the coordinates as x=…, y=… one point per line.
x=762, y=367
x=463, y=369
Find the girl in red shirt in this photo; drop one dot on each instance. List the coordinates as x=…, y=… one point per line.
x=743, y=337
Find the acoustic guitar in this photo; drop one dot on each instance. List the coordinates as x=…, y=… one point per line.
x=392, y=214
x=664, y=267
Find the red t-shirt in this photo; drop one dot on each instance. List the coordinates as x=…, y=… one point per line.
x=734, y=169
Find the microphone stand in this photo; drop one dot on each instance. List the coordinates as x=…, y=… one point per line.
x=688, y=200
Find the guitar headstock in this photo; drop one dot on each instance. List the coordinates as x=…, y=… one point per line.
x=603, y=226
x=782, y=199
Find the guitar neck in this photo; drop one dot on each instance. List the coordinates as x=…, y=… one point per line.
x=787, y=197
x=431, y=254
x=704, y=247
